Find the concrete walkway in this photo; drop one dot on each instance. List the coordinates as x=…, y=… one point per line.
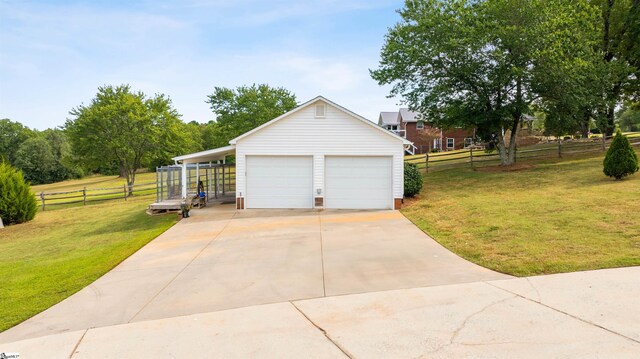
x=577, y=315
x=223, y=259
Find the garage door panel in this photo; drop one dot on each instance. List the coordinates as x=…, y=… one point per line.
x=279, y=182
x=358, y=182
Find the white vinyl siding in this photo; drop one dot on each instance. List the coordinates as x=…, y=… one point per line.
x=337, y=134
x=279, y=182
x=358, y=182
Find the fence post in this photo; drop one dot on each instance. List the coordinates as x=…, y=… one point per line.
x=42, y=198
x=559, y=148
x=84, y=196
x=124, y=189
x=471, y=156
x=426, y=163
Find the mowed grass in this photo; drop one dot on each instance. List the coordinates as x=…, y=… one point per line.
x=99, y=188
x=546, y=217
x=91, y=182
x=63, y=250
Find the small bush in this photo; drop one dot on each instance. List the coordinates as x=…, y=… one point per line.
x=412, y=180
x=621, y=160
x=17, y=203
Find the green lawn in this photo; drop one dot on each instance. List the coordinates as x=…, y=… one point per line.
x=95, y=181
x=63, y=250
x=546, y=217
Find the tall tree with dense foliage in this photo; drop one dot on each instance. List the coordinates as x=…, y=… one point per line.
x=66, y=164
x=12, y=135
x=477, y=63
x=17, y=202
x=629, y=117
x=243, y=109
x=620, y=55
x=37, y=162
x=126, y=127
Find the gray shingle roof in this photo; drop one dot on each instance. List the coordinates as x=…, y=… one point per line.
x=388, y=118
x=409, y=116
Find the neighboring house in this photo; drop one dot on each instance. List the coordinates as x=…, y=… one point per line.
x=410, y=125
x=318, y=155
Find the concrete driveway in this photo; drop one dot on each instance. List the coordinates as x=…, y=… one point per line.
x=222, y=259
x=574, y=315
x=279, y=284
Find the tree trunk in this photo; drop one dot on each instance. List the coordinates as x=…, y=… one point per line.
x=611, y=124
x=502, y=150
x=584, y=123
x=131, y=179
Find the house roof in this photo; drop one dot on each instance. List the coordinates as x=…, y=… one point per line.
x=208, y=155
x=388, y=118
x=409, y=116
x=310, y=102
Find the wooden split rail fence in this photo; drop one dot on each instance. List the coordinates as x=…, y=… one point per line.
x=474, y=158
x=87, y=195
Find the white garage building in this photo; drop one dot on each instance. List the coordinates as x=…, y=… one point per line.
x=318, y=155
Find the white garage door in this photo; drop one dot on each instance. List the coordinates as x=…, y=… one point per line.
x=279, y=182
x=358, y=182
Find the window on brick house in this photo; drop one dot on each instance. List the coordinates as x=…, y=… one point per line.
x=451, y=142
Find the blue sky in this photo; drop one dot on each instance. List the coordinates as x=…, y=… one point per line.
x=55, y=54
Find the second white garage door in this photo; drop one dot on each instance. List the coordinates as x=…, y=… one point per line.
x=358, y=182
x=279, y=182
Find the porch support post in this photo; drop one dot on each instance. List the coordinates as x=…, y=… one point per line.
x=197, y=177
x=183, y=173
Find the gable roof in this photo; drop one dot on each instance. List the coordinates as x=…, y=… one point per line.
x=409, y=116
x=388, y=118
x=308, y=103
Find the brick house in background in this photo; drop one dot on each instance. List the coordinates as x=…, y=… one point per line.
x=425, y=138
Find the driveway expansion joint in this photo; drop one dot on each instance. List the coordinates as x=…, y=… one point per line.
x=324, y=287
x=565, y=313
x=324, y=332
x=182, y=270
x=73, y=351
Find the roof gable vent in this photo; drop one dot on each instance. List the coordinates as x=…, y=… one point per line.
x=320, y=110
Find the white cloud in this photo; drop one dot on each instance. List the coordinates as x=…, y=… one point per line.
x=53, y=58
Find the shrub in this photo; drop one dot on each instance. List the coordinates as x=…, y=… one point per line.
x=17, y=203
x=621, y=160
x=412, y=180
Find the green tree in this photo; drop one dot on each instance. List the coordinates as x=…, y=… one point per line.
x=12, y=135
x=66, y=165
x=477, y=63
x=243, y=109
x=37, y=162
x=620, y=50
x=621, y=160
x=17, y=202
x=124, y=127
x=629, y=118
